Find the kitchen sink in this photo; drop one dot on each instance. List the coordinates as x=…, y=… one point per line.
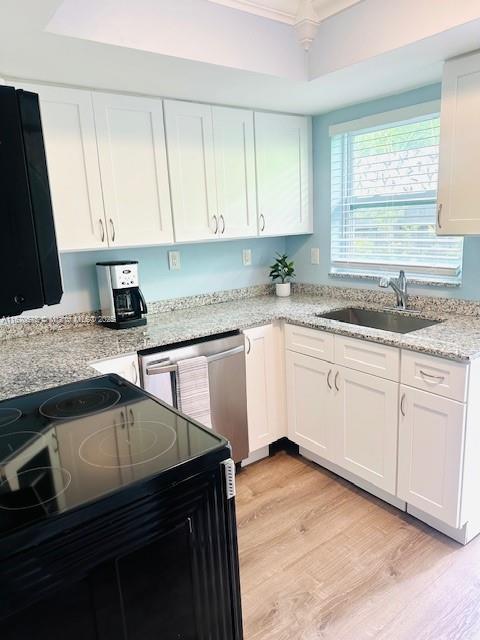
x=385, y=320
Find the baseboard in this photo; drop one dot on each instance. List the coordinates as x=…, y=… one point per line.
x=255, y=456
x=463, y=535
x=351, y=477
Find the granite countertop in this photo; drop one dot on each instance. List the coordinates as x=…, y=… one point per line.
x=50, y=359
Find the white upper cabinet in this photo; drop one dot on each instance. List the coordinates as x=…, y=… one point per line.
x=234, y=147
x=133, y=164
x=283, y=162
x=74, y=175
x=191, y=163
x=459, y=186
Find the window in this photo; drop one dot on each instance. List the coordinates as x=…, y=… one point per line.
x=384, y=193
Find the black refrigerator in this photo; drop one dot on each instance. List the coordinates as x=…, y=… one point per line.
x=31, y=275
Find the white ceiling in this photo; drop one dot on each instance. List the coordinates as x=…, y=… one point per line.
x=199, y=50
x=287, y=10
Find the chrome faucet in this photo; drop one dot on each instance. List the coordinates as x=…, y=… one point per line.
x=399, y=285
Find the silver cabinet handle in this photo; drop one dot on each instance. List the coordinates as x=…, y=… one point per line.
x=328, y=379
x=102, y=230
x=335, y=382
x=262, y=218
x=223, y=224
x=439, y=215
x=113, y=230
x=132, y=417
x=135, y=374
x=216, y=224
x=123, y=418
x=402, y=405
x=249, y=345
x=438, y=379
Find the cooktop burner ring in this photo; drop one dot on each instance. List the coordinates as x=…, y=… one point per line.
x=66, y=480
x=130, y=464
x=8, y=415
x=77, y=403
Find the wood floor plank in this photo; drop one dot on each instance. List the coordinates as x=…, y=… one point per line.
x=321, y=559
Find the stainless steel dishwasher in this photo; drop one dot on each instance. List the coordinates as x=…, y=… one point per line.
x=225, y=355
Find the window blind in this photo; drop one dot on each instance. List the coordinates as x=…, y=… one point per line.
x=383, y=196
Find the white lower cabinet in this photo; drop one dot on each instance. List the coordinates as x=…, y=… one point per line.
x=310, y=403
x=366, y=426
x=264, y=384
x=431, y=438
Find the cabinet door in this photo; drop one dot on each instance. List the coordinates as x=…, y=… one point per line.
x=192, y=170
x=366, y=426
x=133, y=163
x=459, y=187
x=73, y=169
x=309, y=403
x=283, y=156
x=235, y=172
x=262, y=390
x=430, y=459
x=125, y=366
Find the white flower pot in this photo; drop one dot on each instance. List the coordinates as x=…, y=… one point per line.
x=282, y=289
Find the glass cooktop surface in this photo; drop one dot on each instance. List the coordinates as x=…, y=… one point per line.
x=68, y=446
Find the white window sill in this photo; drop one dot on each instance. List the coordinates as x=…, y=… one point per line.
x=420, y=281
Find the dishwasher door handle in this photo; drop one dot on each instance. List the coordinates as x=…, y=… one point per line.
x=225, y=354
x=168, y=367
x=158, y=369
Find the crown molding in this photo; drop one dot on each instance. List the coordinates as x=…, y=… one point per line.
x=259, y=10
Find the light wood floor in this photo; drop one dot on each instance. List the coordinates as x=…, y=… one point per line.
x=321, y=559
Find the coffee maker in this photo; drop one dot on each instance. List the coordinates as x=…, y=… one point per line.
x=121, y=300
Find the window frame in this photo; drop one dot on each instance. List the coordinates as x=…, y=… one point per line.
x=434, y=274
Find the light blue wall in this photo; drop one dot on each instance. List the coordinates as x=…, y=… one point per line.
x=299, y=247
x=205, y=267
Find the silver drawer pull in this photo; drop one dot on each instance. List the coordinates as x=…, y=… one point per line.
x=439, y=215
x=430, y=376
x=335, y=382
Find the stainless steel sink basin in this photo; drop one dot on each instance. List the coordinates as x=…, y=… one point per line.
x=385, y=320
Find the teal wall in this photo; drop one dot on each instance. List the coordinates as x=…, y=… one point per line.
x=205, y=267
x=299, y=247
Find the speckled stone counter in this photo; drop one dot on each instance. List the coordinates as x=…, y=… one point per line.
x=53, y=358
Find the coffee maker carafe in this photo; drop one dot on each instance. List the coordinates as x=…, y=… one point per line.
x=121, y=300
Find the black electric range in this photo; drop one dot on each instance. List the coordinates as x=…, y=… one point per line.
x=65, y=447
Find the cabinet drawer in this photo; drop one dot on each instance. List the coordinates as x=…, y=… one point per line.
x=369, y=357
x=436, y=375
x=310, y=342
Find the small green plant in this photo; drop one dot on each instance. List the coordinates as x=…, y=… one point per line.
x=282, y=269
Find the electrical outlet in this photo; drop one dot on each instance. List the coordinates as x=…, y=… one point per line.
x=247, y=257
x=315, y=255
x=174, y=260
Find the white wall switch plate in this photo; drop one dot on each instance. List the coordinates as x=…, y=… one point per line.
x=174, y=260
x=315, y=255
x=247, y=257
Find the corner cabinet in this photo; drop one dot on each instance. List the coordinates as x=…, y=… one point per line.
x=458, y=185
x=133, y=167
x=284, y=165
x=73, y=168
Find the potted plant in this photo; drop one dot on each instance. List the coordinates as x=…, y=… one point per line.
x=284, y=271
